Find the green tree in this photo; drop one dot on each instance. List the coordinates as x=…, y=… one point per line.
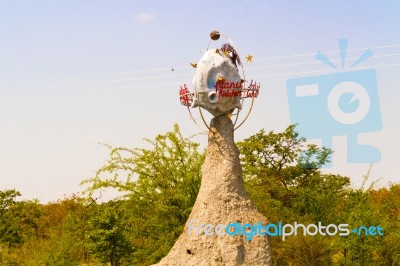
x=282, y=176
x=372, y=207
x=160, y=183
x=7, y=199
x=30, y=214
x=67, y=221
x=282, y=173
x=108, y=234
x=10, y=229
x=52, y=234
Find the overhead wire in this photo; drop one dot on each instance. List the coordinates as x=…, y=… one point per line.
x=329, y=52
x=97, y=82
x=180, y=83
x=187, y=67
x=188, y=74
x=315, y=62
x=182, y=75
x=95, y=90
x=323, y=71
x=102, y=75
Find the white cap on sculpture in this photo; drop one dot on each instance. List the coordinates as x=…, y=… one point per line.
x=217, y=76
x=218, y=87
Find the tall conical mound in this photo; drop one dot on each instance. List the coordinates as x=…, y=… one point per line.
x=222, y=199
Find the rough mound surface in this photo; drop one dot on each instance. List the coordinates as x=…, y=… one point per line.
x=222, y=199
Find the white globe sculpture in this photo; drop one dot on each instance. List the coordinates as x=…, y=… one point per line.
x=218, y=85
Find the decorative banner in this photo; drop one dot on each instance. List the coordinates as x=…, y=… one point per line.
x=229, y=89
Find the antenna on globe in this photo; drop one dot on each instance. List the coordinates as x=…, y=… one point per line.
x=219, y=84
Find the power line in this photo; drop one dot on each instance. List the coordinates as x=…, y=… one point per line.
x=330, y=52
x=187, y=67
x=96, y=90
x=322, y=71
x=97, y=82
x=180, y=83
x=180, y=75
x=107, y=74
x=315, y=62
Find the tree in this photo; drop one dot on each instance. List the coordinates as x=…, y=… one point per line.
x=281, y=169
x=30, y=214
x=108, y=234
x=284, y=155
x=161, y=185
x=283, y=178
x=7, y=199
x=10, y=229
x=67, y=221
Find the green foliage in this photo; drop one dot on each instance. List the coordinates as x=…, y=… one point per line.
x=285, y=156
x=108, y=235
x=282, y=176
x=7, y=199
x=160, y=183
x=51, y=234
x=68, y=221
x=373, y=207
x=10, y=230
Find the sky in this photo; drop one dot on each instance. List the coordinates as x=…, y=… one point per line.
x=75, y=73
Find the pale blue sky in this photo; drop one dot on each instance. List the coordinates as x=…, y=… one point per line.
x=76, y=72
